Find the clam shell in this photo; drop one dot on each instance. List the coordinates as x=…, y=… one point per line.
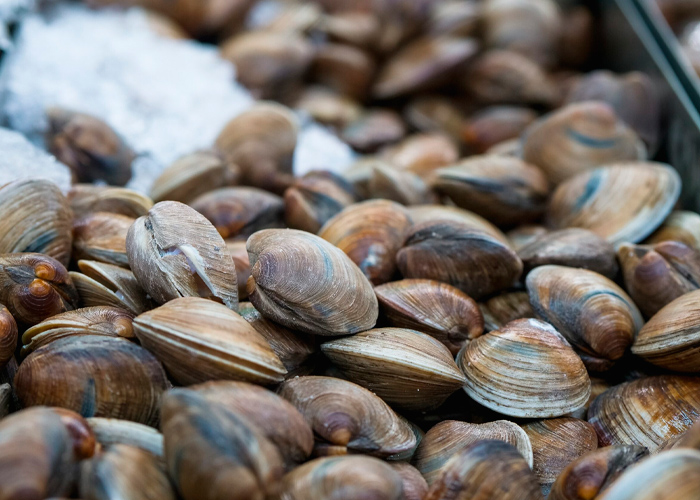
x=101, y=320
x=422, y=154
x=305, y=283
x=344, y=68
x=435, y=213
x=671, y=338
x=199, y=340
x=112, y=431
x=413, y=485
x=647, y=411
x=405, y=368
x=240, y=259
x=594, y=314
x=389, y=183
x=448, y=437
x=524, y=235
x=36, y=217
x=579, y=137
x=495, y=124
x=525, y=369
x=328, y=107
x=175, y=252
x=373, y=129
x=88, y=198
x=5, y=399
x=681, y=226
x=349, y=417
x=101, y=236
x=237, y=212
x=370, y=233
x=95, y=376
x=8, y=336
x=454, y=18
x=434, y=308
x=504, y=190
x=650, y=191
x=434, y=112
x=500, y=310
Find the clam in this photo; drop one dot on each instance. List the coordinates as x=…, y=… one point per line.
x=36, y=217
x=572, y=247
x=101, y=236
x=344, y=68
x=413, y=485
x=594, y=314
x=467, y=257
x=434, y=113
x=649, y=190
x=305, y=283
x=406, y=368
x=421, y=64
x=657, y=274
x=5, y=399
x=671, y=338
x=576, y=40
x=579, y=137
x=436, y=213
x=342, y=478
x=37, y=457
x=211, y=449
x=505, y=77
x=112, y=431
x=500, y=310
x=375, y=128
x=356, y=27
x=100, y=320
x=689, y=439
x=671, y=475
x=646, y=412
x=556, y=443
x=95, y=376
x=349, y=418
x=431, y=307
x=389, y=183
x=89, y=146
x=88, y=198
x=242, y=263
x=293, y=17
x=523, y=235
x=237, y=212
x=84, y=441
x=422, y=154
x=8, y=336
x=270, y=64
x=276, y=418
x=681, y=226
x=589, y=475
x=175, y=252
x=528, y=27
x=488, y=469
x=313, y=199
x=124, y=471
x=192, y=175
x=454, y=18
x=101, y=284
x=546, y=379
x=34, y=287
x=495, y=124
x=370, y=233
x=448, y=437
x=199, y=340
x=502, y=189
x=261, y=142
x=293, y=348
x=328, y=107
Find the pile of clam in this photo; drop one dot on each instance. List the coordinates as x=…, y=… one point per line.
x=453, y=317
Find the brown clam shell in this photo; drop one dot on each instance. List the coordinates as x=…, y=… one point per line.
x=88, y=198
x=375, y=128
x=500, y=310
x=113, y=431
x=8, y=335
x=240, y=259
x=101, y=236
x=495, y=124
x=413, y=483
x=681, y=226
x=347, y=69
x=422, y=154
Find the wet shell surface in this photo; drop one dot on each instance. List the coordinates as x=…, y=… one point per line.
x=592, y=200
x=414, y=485
x=198, y=340
x=500, y=310
x=8, y=335
x=406, y=368
x=305, y=283
x=89, y=198
x=101, y=236
x=525, y=369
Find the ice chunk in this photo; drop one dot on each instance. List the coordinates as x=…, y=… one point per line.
x=165, y=97
x=20, y=159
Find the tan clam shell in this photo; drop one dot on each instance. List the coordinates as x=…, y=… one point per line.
x=110, y=431
x=8, y=336
x=504, y=190
x=433, y=213
x=370, y=233
x=375, y=128
x=328, y=107
x=434, y=308
x=101, y=236
x=587, y=200
x=240, y=259
x=594, y=314
x=681, y=226
x=101, y=284
x=401, y=186
x=405, y=368
x=198, y=340
x=578, y=137
x=101, y=320
x=344, y=68
x=495, y=124
x=174, y=251
x=671, y=475
x=95, y=376
x=500, y=310
x=192, y=175
x=36, y=218
x=449, y=436
x=671, y=338
x=413, y=483
x=524, y=235
x=647, y=412
x=525, y=369
x=348, y=417
x=422, y=154
x=454, y=18
x=307, y=284
x=87, y=198
x=434, y=112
